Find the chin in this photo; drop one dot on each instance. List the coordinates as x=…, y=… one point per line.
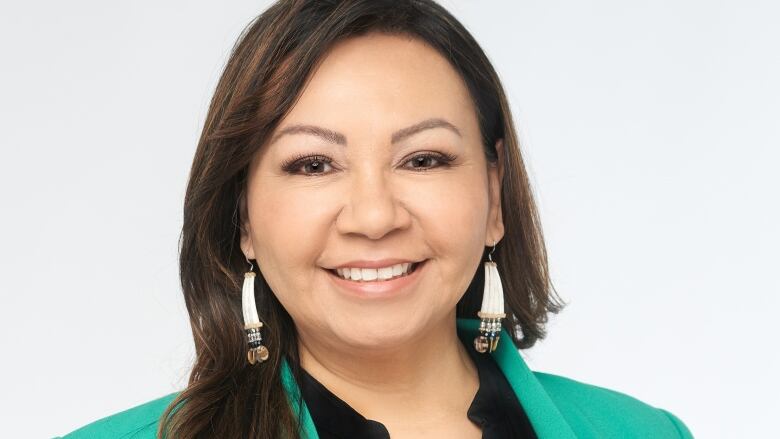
x=381, y=333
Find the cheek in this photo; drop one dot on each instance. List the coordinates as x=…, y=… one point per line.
x=297, y=217
x=453, y=216
x=290, y=228
x=457, y=206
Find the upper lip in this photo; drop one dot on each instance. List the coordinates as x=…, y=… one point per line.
x=373, y=264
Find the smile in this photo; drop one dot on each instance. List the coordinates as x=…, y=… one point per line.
x=377, y=283
x=376, y=274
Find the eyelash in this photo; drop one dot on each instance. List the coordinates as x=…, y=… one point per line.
x=292, y=165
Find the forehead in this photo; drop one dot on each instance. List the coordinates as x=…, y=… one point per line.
x=383, y=81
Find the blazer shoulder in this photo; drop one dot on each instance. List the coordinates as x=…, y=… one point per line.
x=139, y=422
x=609, y=413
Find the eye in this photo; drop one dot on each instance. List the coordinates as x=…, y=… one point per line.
x=425, y=160
x=311, y=165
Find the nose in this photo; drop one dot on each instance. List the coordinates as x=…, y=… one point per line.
x=372, y=206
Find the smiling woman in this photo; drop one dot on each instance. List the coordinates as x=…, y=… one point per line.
x=359, y=226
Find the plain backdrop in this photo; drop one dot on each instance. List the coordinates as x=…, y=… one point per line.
x=650, y=130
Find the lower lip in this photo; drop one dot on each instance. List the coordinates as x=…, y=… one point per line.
x=379, y=289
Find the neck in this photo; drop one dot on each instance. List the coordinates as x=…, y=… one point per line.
x=412, y=381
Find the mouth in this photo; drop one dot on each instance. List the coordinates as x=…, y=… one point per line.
x=379, y=288
x=360, y=277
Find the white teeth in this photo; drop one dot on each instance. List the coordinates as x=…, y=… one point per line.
x=369, y=274
x=384, y=273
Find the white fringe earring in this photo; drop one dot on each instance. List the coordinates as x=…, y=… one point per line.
x=252, y=324
x=492, y=308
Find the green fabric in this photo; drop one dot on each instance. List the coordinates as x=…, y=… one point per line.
x=558, y=407
x=139, y=422
x=294, y=396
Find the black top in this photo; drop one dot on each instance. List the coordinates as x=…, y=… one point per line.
x=495, y=408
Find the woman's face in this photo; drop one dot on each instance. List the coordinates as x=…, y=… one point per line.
x=378, y=190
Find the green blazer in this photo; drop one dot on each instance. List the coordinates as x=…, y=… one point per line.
x=558, y=407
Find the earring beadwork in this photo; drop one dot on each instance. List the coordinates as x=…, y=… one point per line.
x=257, y=352
x=492, y=311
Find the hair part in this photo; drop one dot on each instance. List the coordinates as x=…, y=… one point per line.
x=264, y=76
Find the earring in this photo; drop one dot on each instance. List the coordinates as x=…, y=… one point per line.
x=492, y=308
x=252, y=324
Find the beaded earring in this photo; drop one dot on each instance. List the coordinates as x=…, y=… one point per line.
x=492, y=311
x=257, y=352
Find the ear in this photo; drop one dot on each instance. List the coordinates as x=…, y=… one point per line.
x=495, y=226
x=245, y=229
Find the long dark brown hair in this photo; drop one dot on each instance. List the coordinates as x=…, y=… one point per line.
x=266, y=71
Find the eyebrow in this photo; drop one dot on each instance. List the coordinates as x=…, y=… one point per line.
x=340, y=139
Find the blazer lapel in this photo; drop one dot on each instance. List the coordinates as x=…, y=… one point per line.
x=294, y=396
x=547, y=420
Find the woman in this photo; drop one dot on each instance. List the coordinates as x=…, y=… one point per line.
x=361, y=254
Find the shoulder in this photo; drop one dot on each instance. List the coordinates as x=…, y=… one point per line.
x=139, y=422
x=608, y=413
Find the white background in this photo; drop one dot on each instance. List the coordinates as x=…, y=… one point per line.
x=650, y=130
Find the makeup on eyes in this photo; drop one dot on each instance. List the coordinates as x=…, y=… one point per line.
x=294, y=164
